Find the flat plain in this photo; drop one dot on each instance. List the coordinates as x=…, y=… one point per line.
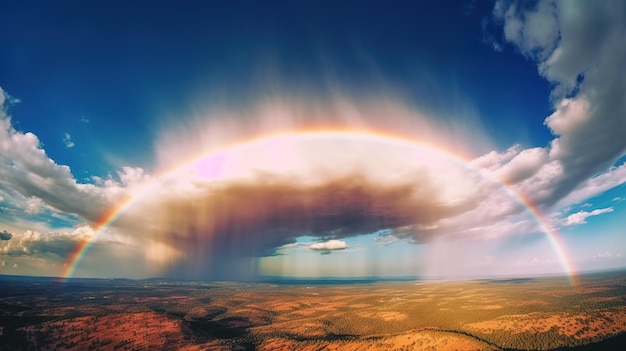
x=515, y=314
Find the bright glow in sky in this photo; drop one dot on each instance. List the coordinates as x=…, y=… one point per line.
x=233, y=141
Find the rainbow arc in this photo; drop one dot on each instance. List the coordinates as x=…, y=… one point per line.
x=112, y=214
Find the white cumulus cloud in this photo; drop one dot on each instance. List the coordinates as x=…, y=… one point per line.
x=32, y=179
x=329, y=245
x=580, y=217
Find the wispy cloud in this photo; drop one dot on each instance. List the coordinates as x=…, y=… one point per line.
x=386, y=239
x=67, y=140
x=607, y=256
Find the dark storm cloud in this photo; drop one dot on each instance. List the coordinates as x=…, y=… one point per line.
x=252, y=219
x=4, y=235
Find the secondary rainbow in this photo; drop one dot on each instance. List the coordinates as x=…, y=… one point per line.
x=111, y=215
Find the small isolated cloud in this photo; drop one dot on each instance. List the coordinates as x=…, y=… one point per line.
x=581, y=216
x=619, y=199
x=84, y=119
x=329, y=245
x=67, y=139
x=4, y=235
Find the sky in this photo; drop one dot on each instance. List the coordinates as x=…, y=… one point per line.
x=312, y=139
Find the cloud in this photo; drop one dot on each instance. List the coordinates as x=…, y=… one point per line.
x=606, y=256
x=84, y=119
x=534, y=30
x=6, y=100
x=248, y=200
x=329, y=245
x=216, y=213
x=67, y=140
x=578, y=47
x=524, y=165
x=597, y=185
x=220, y=222
x=245, y=204
x=488, y=38
x=386, y=239
x=38, y=244
x=31, y=178
x=56, y=244
x=34, y=205
x=496, y=160
x=581, y=216
x=4, y=235
x=288, y=248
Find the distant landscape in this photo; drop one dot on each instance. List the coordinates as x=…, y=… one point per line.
x=119, y=314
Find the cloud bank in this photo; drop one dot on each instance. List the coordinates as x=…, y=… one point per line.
x=578, y=47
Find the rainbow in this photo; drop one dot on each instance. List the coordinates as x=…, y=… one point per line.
x=553, y=236
x=113, y=213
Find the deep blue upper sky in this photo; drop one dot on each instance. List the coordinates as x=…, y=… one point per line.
x=126, y=65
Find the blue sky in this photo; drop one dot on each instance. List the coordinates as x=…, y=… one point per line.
x=99, y=98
